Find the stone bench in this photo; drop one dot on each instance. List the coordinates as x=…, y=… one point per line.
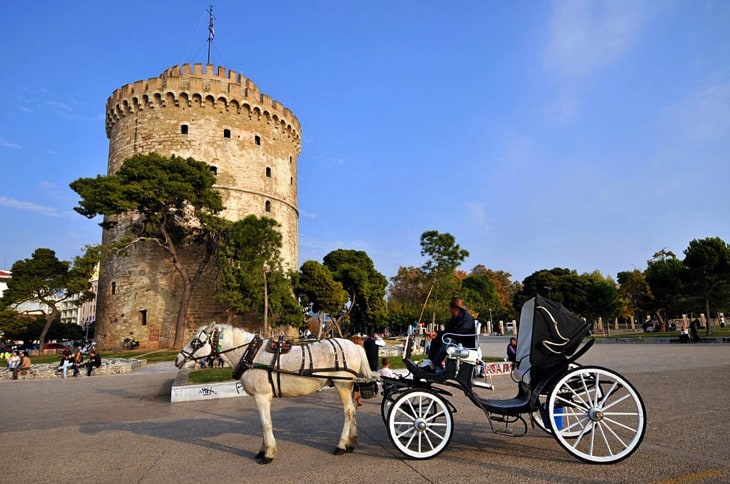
x=46, y=371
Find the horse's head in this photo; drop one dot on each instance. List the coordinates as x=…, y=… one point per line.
x=201, y=346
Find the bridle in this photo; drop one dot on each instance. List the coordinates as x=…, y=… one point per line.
x=212, y=340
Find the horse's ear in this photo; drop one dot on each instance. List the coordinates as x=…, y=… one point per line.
x=211, y=326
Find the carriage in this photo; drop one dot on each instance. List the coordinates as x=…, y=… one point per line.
x=594, y=413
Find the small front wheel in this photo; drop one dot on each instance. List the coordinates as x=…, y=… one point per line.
x=420, y=424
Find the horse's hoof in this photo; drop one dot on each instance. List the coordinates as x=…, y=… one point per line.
x=266, y=460
x=339, y=451
x=350, y=449
x=260, y=455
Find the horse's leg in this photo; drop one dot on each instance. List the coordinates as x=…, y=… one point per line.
x=348, y=438
x=268, y=446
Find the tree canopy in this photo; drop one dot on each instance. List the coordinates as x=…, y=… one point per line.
x=45, y=279
x=173, y=203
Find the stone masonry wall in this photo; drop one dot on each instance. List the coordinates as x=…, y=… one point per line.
x=252, y=144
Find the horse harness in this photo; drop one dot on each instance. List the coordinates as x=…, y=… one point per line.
x=274, y=369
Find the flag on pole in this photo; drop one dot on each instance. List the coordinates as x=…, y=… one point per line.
x=211, y=30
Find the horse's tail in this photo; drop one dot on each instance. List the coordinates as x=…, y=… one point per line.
x=365, y=370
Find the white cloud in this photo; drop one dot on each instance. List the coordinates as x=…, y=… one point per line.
x=30, y=207
x=7, y=144
x=585, y=35
x=704, y=114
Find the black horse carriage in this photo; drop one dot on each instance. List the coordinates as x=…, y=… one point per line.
x=593, y=412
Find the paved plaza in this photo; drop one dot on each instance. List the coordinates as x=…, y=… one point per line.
x=123, y=429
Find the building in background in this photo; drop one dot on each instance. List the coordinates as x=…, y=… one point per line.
x=251, y=143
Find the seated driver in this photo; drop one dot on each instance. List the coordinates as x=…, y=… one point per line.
x=461, y=323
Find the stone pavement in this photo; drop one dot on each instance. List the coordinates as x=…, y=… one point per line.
x=123, y=428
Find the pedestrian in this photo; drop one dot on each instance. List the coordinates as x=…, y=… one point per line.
x=78, y=360
x=461, y=328
x=694, y=328
x=66, y=361
x=512, y=351
x=372, y=348
x=94, y=362
x=14, y=360
x=385, y=371
x=25, y=364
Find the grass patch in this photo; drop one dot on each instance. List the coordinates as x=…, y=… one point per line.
x=210, y=375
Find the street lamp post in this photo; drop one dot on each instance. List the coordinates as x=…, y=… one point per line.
x=549, y=290
x=490, y=320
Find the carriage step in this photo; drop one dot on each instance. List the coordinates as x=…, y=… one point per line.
x=482, y=384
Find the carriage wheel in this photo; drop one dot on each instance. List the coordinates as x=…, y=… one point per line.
x=420, y=424
x=596, y=415
x=387, y=403
x=570, y=422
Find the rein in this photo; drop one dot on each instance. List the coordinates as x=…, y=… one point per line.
x=213, y=340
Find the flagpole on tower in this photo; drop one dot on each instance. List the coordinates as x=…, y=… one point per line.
x=211, y=30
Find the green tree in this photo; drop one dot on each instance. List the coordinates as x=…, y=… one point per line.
x=634, y=293
x=665, y=275
x=480, y=293
x=505, y=290
x=13, y=324
x=406, y=293
x=364, y=285
x=173, y=203
x=319, y=290
x=46, y=280
x=444, y=255
x=707, y=262
x=251, y=276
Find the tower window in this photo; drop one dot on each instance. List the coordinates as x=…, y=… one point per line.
x=143, y=317
x=268, y=172
x=290, y=159
x=184, y=129
x=226, y=133
x=291, y=180
x=268, y=206
x=214, y=170
x=257, y=139
x=114, y=287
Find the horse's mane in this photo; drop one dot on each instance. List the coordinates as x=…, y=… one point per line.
x=239, y=335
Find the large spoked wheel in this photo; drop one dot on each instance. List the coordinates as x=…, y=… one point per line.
x=386, y=404
x=420, y=424
x=596, y=415
x=570, y=421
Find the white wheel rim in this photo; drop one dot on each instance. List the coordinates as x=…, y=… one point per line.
x=420, y=424
x=597, y=415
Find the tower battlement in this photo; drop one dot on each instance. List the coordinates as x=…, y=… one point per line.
x=250, y=142
x=202, y=85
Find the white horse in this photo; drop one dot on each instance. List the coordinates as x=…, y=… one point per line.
x=300, y=371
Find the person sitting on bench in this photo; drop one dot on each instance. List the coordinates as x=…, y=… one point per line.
x=94, y=362
x=461, y=323
x=25, y=364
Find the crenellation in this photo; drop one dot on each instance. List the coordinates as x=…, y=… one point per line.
x=147, y=116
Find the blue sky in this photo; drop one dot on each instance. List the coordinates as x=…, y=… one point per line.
x=585, y=135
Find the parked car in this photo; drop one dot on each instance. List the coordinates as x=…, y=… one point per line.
x=54, y=346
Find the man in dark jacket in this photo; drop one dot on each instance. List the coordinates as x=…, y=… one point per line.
x=371, y=350
x=94, y=362
x=461, y=323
